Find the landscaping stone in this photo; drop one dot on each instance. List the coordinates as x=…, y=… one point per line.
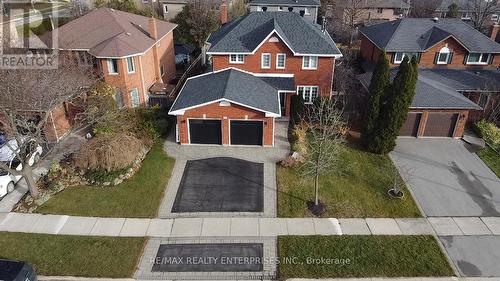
x=272, y=227
x=493, y=223
x=416, y=226
x=160, y=227
x=445, y=226
x=186, y=227
x=135, y=227
x=216, y=227
x=244, y=227
x=299, y=226
x=383, y=226
x=107, y=227
x=328, y=226
x=78, y=226
x=354, y=227
x=49, y=224
x=472, y=226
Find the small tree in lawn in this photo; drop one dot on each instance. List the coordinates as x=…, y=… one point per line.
x=27, y=97
x=379, y=83
x=395, y=112
x=325, y=136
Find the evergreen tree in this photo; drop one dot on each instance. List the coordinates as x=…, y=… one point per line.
x=378, y=86
x=394, y=114
x=182, y=33
x=453, y=11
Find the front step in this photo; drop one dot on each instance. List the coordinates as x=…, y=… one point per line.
x=209, y=258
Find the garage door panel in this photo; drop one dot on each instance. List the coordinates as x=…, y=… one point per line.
x=410, y=127
x=440, y=124
x=246, y=132
x=205, y=131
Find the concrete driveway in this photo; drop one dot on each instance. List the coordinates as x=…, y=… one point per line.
x=447, y=179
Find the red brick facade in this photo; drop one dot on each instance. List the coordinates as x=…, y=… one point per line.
x=225, y=114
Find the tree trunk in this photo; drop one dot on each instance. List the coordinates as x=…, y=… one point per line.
x=316, y=190
x=30, y=181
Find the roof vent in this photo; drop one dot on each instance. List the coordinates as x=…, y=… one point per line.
x=129, y=34
x=112, y=10
x=436, y=19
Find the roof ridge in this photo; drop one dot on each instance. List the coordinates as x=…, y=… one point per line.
x=111, y=12
x=446, y=89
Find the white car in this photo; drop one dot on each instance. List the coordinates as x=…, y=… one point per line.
x=8, y=156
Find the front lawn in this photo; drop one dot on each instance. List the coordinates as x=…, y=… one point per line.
x=360, y=256
x=360, y=191
x=139, y=196
x=491, y=159
x=60, y=255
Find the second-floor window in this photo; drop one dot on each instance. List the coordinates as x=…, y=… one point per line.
x=266, y=61
x=280, y=61
x=237, y=58
x=310, y=62
x=308, y=93
x=112, y=66
x=130, y=65
x=478, y=58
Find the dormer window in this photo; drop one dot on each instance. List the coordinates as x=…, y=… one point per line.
x=237, y=58
x=478, y=58
x=444, y=56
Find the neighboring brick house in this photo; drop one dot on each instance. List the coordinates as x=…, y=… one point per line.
x=130, y=52
x=309, y=9
x=454, y=60
x=366, y=11
x=466, y=10
x=289, y=53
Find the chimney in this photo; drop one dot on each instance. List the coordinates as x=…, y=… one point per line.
x=153, y=32
x=223, y=12
x=494, y=31
x=301, y=13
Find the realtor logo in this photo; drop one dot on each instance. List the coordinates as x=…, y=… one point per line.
x=27, y=39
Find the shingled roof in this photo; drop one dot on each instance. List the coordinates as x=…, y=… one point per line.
x=287, y=2
x=418, y=35
x=236, y=86
x=109, y=33
x=245, y=34
x=388, y=4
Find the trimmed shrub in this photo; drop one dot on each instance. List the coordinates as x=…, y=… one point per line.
x=297, y=108
x=490, y=133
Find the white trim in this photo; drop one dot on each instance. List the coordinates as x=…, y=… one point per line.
x=237, y=61
x=310, y=59
x=252, y=120
x=110, y=63
x=277, y=60
x=308, y=86
x=262, y=66
x=274, y=129
x=480, y=57
x=142, y=78
x=182, y=111
x=133, y=65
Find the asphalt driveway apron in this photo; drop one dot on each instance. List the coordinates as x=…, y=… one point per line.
x=221, y=184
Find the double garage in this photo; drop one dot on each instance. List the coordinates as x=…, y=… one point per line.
x=434, y=124
x=241, y=132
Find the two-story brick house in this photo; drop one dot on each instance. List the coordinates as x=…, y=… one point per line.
x=309, y=9
x=454, y=60
x=277, y=53
x=130, y=52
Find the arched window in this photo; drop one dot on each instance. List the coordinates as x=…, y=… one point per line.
x=444, y=56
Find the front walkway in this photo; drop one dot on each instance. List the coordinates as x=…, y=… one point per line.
x=256, y=227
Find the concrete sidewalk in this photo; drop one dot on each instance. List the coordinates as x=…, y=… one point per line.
x=203, y=227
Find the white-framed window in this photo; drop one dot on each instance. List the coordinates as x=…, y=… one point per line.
x=399, y=57
x=465, y=16
x=259, y=8
x=280, y=8
x=380, y=10
x=309, y=62
x=307, y=11
x=265, y=61
x=280, y=61
x=495, y=17
x=478, y=58
x=134, y=98
x=443, y=57
x=237, y=58
x=308, y=93
x=112, y=66
x=130, y=65
x=162, y=70
x=165, y=9
x=119, y=98
x=483, y=100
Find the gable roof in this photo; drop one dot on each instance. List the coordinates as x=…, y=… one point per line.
x=287, y=2
x=418, y=35
x=463, y=5
x=233, y=85
x=246, y=33
x=110, y=33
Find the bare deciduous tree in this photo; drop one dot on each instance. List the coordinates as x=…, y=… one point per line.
x=423, y=8
x=344, y=16
x=27, y=98
x=78, y=8
x=481, y=11
x=202, y=20
x=325, y=129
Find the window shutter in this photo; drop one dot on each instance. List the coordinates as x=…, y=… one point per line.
x=393, y=55
x=490, y=60
x=466, y=57
x=450, y=57
x=436, y=56
x=419, y=56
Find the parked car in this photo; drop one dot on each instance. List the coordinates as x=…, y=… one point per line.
x=8, y=156
x=16, y=271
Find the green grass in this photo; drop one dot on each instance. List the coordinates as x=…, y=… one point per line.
x=73, y=255
x=138, y=197
x=362, y=256
x=491, y=159
x=359, y=191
